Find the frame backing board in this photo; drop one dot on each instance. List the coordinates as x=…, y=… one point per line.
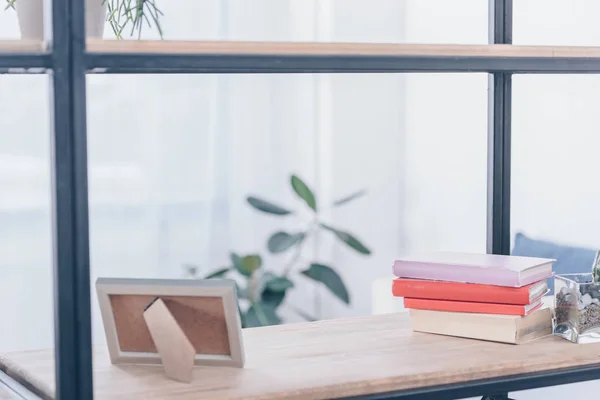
x=206, y=310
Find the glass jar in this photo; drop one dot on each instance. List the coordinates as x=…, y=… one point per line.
x=577, y=308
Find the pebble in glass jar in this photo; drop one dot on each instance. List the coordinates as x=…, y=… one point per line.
x=577, y=308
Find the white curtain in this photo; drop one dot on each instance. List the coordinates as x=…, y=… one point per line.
x=173, y=157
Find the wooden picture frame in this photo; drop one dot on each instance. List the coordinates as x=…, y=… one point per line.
x=205, y=311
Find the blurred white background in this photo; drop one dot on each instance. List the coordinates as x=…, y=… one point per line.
x=173, y=157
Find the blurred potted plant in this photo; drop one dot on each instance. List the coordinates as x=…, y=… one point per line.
x=120, y=14
x=264, y=290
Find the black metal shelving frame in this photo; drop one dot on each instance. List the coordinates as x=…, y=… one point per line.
x=67, y=62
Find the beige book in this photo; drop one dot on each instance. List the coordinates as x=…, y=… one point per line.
x=493, y=327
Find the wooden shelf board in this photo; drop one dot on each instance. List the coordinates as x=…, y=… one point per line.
x=21, y=46
x=310, y=48
x=341, y=49
x=321, y=360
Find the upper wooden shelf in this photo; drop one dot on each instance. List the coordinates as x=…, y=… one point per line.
x=348, y=49
x=310, y=48
x=21, y=46
x=321, y=360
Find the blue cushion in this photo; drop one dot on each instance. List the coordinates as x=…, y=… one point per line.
x=569, y=259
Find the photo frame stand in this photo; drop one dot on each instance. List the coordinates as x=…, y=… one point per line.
x=175, y=349
x=179, y=323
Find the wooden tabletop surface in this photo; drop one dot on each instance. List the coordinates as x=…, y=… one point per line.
x=321, y=360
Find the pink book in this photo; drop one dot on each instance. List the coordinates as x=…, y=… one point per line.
x=487, y=269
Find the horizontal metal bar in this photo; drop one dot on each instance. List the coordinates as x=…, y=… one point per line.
x=266, y=64
x=24, y=63
x=503, y=384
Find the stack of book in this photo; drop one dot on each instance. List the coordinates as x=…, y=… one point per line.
x=478, y=296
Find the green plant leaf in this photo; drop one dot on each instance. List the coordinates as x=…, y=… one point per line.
x=251, y=318
x=349, y=198
x=267, y=276
x=266, y=206
x=235, y=259
x=220, y=273
x=279, y=284
x=242, y=317
x=246, y=265
x=260, y=314
x=274, y=289
x=349, y=239
x=271, y=298
x=328, y=277
x=251, y=263
x=281, y=241
x=304, y=192
x=242, y=292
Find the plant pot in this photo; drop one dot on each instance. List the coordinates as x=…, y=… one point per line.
x=577, y=308
x=31, y=18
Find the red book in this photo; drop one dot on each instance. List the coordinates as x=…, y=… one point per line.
x=471, y=307
x=458, y=291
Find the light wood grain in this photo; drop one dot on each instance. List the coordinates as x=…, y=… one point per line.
x=323, y=360
x=21, y=46
x=319, y=48
x=311, y=48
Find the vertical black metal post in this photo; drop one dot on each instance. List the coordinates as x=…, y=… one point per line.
x=499, y=135
x=70, y=203
x=499, y=124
